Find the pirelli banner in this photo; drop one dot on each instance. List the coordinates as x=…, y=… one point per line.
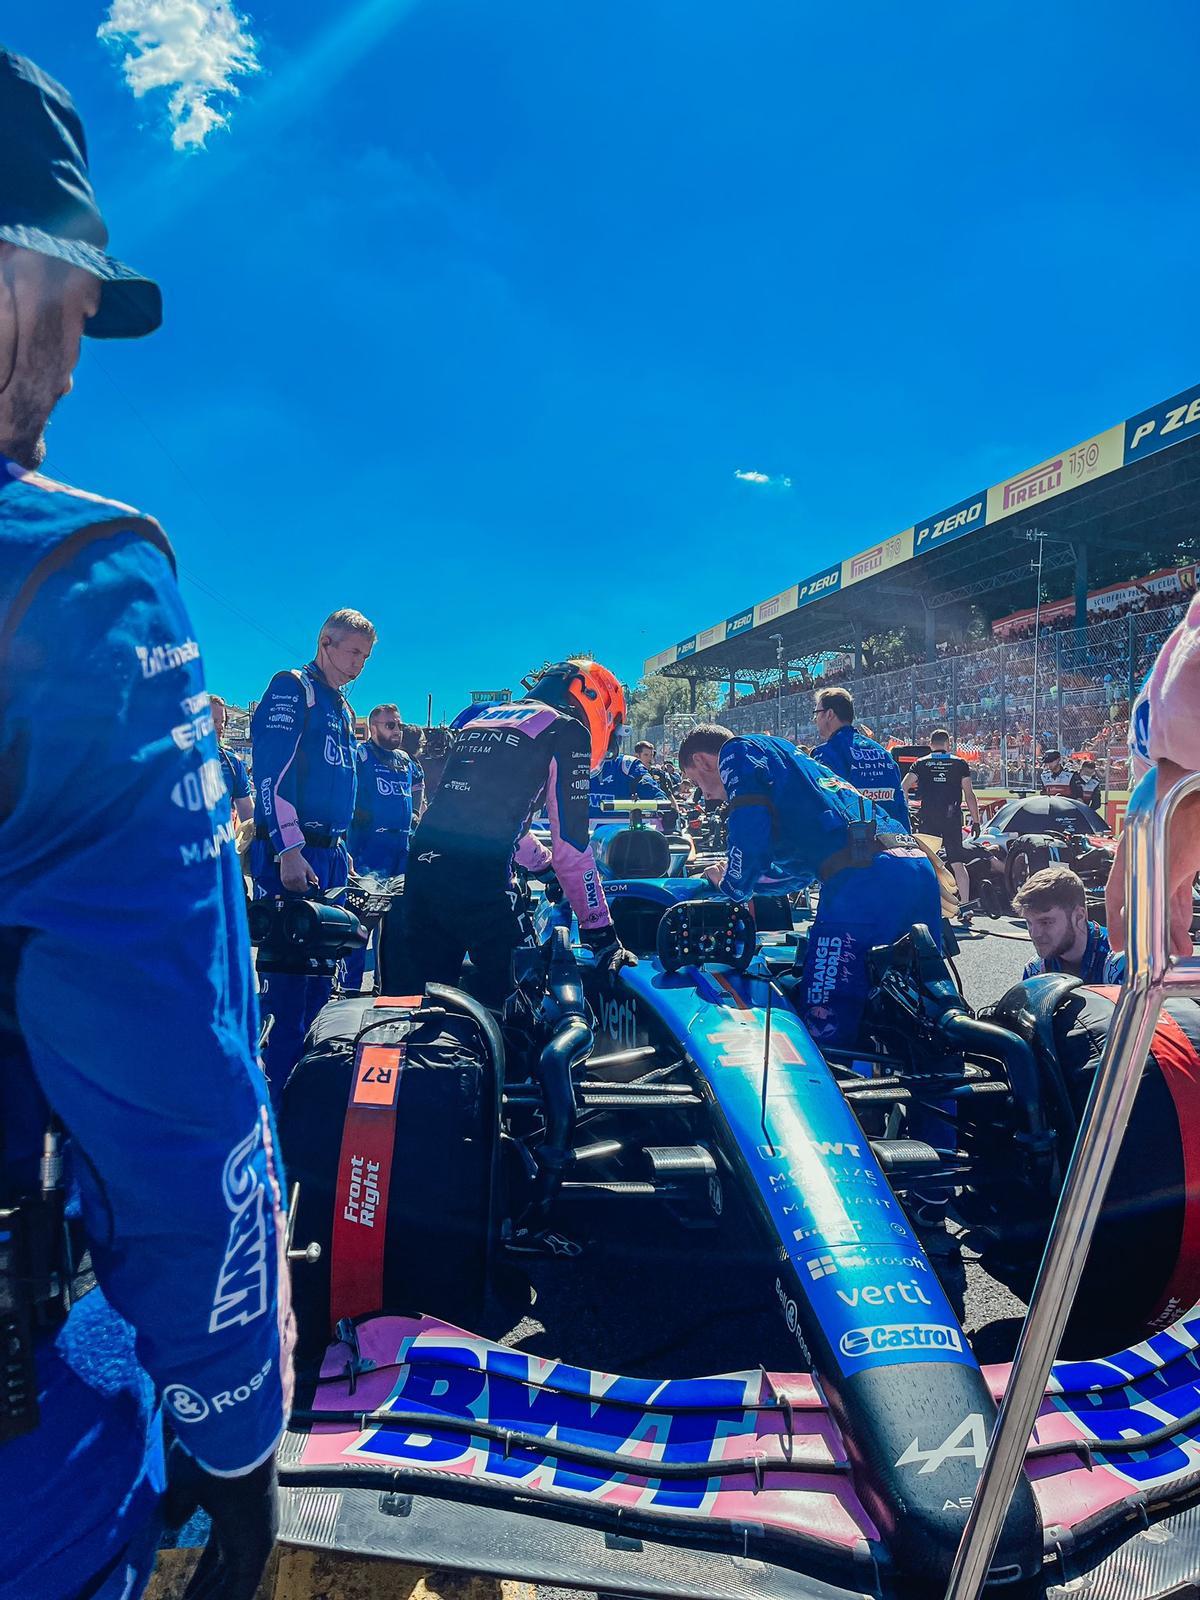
x=1023, y=494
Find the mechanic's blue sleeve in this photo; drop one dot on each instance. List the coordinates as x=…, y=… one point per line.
x=1033, y=969
x=751, y=820
x=276, y=732
x=644, y=786
x=418, y=786
x=133, y=990
x=240, y=789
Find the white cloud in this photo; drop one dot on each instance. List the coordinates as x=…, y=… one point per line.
x=762, y=478
x=195, y=49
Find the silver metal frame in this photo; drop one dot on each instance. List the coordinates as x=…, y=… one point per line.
x=1152, y=973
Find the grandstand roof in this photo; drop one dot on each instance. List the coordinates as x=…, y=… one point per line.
x=1125, y=495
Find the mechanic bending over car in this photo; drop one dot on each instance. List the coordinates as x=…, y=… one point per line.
x=383, y=812
x=302, y=736
x=237, y=779
x=942, y=781
x=860, y=760
x=1053, y=902
x=791, y=819
x=506, y=762
x=127, y=1010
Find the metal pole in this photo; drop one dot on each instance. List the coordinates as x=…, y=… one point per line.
x=1003, y=722
x=1037, y=628
x=1151, y=973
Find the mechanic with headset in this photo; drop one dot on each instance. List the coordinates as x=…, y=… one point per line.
x=383, y=812
x=302, y=735
x=506, y=762
x=791, y=819
x=860, y=760
x=134, y=1128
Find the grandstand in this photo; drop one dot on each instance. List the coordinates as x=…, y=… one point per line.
x=1126, y=501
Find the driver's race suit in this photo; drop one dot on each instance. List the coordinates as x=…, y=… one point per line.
x=867, y=767
x=1164, y=722
x=622, y=778
x=790, y=819
x=460, y=895
x=302, y=736
x=127, y=1009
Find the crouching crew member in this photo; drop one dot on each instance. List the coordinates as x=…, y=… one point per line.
x=302, y=736
x=133, y=1117
x=861, y=761
x=1053, y=902
x=791, y=820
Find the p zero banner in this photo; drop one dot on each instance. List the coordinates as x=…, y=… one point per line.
x=968, y=516
x=741, y=622
x=685, y=648
x=879, y=558
x=820, y=584
x=1092, y=459
x=777, y=606
x=1170, y=423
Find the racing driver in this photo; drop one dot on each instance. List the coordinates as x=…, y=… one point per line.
x=791, y=819
x=507, y=761
x=130, y=1101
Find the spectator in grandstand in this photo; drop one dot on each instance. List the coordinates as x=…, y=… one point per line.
x=1054, y=905
x=1085, y=785
x=941, y=782
x=233, y=768
x=856, y=757
x=1055, y=778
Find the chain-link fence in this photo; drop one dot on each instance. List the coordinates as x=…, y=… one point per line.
x=1002, y=706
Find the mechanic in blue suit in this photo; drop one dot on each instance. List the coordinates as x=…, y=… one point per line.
x=791, y=820
x=302, y=737
x=861, y=761
x=383, y=811
x=128, y=1022
x=622, y=778
x=233, y=768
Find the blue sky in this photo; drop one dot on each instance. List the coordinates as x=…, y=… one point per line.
x=473, y=309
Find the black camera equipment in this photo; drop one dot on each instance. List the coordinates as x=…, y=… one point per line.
x=303, y=936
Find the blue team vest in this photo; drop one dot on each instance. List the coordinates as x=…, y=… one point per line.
x=42, y=525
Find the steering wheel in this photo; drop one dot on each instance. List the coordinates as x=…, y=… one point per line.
x=696, y=933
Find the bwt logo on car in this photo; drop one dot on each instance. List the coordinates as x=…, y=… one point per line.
x=619, y=1020
x=886, y=1338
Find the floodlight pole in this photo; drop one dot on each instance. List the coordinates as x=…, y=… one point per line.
x=777, y=638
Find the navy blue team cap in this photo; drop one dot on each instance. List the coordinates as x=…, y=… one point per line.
x=47, y=202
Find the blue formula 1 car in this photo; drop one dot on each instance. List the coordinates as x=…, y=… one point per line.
x=656, y=1130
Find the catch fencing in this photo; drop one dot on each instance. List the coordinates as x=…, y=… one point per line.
x=1001, y=705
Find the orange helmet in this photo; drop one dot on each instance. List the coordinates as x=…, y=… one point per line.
x=591, y=693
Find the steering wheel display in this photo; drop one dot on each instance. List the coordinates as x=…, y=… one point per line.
x=696, y=933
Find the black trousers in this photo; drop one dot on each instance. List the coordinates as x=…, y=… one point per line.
x=454, y=904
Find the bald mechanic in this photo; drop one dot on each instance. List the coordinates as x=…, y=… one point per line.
x=127, y=1011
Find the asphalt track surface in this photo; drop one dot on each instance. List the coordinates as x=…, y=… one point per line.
x=652, y=1299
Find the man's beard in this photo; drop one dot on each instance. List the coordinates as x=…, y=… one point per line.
x=35, y=391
